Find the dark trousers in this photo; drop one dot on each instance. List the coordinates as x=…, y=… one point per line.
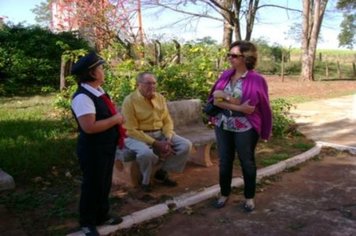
x=244, y=144
x=96, y=163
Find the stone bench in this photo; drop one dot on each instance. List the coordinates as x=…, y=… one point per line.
x=188, y=123
x=6, y=181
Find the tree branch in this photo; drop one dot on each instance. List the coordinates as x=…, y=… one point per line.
x=277, y=6
x=189, y=13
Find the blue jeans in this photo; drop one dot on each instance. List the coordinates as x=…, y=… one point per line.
x=244, y=144
x=146, y=158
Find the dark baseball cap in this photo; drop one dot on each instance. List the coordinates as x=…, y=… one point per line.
x=86, y=63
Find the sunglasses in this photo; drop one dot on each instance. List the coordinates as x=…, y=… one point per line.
x=234, y=55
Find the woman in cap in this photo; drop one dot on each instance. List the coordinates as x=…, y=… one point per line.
x=100, y=132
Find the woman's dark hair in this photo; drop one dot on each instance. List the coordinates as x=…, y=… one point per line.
x=249, y=51
x=85, y=76
x=85, y=65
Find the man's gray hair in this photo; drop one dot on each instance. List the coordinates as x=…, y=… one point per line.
x=142, y=75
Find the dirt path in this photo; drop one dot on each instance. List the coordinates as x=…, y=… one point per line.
x=318, y=199
x=330, y=120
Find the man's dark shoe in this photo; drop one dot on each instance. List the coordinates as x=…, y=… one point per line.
x=161, y=176
x=146, y=188
x=90, y=231
x=169, y=183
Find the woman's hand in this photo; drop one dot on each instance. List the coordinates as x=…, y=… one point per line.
x=220, y=94
x=247, y=108
x=119, y=118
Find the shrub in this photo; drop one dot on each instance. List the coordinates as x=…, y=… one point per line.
x=30, y=58
x=282, y=124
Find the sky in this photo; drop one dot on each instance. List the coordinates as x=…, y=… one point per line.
x=272, y=24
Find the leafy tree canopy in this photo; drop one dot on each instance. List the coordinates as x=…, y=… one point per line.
x=348, y=25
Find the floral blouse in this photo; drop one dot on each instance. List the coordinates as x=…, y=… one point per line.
x=233, y=123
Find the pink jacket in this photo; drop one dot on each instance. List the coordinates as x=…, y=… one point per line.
x=254, y=88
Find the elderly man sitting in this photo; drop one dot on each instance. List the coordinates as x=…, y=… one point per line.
x=150, y=133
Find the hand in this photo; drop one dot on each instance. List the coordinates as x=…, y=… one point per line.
x=119, y=118
x=247, y=108
x=163, y=148
x=220, y=94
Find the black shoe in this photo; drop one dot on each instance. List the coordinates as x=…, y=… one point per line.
x=90, y=231
x=146, y=188
x=161, y=176
x=169, y=183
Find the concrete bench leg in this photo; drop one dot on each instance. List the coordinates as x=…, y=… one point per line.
x=126, y=173
x=6, y=181
x=201, y=155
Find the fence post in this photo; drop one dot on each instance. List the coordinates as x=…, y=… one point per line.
x=178, y=51
x=326, y=69
x=282, y=66
x=338, y=69
x=158, y=52
x=62, y=74
x=354, y=68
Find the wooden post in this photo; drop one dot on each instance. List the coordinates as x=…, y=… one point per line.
x=62, y=74
x=326, y=70
x=354, y=68
x=178, y=51
x=320, y=56
x=338, y=69
x=282, y=66
x=140, y=29
x=158, y=54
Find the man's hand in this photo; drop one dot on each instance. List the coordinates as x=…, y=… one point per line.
x=163, y=148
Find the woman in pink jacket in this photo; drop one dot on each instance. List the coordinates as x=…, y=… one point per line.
x=245, y=116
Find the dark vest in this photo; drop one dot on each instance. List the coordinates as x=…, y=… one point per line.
x=109, y=136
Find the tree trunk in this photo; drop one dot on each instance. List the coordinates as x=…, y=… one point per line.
x=250, y=18
x=227, y=37
x=237, y=13
x=226, y=12
x=313, y=13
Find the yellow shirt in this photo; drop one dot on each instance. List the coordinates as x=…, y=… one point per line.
x=142, y=114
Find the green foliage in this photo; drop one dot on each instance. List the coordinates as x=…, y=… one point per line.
x=268, y=67
x=30, y=58
x=292, y=67
x=282, y=124
x=42, y=13
x=347, y=36
x=192, y=78
x=348, y=26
